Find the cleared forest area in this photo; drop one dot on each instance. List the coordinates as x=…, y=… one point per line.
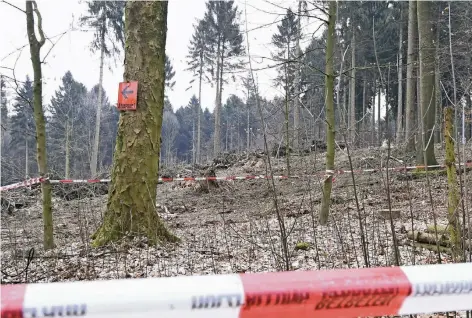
x=234, y=227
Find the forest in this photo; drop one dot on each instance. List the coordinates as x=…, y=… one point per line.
x=381, y=53
x=356, y=156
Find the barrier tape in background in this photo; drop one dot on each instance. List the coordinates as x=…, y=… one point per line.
x=22, y=184
x=226, y=178
x=328, y=293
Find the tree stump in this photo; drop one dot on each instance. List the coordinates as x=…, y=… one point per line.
x=206, y=185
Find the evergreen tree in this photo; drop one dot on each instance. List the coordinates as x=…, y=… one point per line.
x=67, y=127
x=131, y=207
x=4, y=114
x=106, y=18
x=225, y=40
x=285, y=41
x=170, y=73
x=23, y=129
x=199, y=60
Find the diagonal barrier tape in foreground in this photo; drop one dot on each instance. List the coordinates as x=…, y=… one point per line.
x=228, y=178
x=326, y=293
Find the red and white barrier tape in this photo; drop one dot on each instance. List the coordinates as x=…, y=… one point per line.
x=21, y=184
x=228, y=178
x=334, y=293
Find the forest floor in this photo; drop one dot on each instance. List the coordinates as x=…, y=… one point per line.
x=234, y=228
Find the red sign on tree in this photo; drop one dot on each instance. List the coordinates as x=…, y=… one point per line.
x=127, y=95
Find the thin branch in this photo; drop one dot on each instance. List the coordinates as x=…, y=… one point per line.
x=42, y=39
x=54, y=43
x=12, y=5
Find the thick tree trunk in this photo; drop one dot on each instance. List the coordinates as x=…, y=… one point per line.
x=399, y=127
x=35, y=49
x=427, y=67
x=98, y=114
x=352, y=91
x=131, y=201
x=330, y=125
x=410, y=113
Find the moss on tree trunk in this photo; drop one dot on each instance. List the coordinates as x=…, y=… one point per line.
x=35, y=49
x=131, y=200
x=453, y=195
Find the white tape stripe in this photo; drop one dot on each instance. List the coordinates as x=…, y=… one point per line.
x=438, y=288
x=163, y=297
x=228, y=178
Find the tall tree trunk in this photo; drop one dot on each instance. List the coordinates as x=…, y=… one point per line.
x=400, y=84
x=27, y=173
x=437, y=87
x=410, y=113
x=287, y=109
x=131, y=204
x=67, y=146
x=427, y=66
x=193, y=135
x=372, y=131
x=453, y=193
x=468, y=100
x=296, y=101
x=199, y=116
x=453, y=73
x=364, y=102
x=217, y=130
x=98, y=114
x=330, y=125
x=248, y=136
x=379, y=127
x=352, y=91
x=41, y=152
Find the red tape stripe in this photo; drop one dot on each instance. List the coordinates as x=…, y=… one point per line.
x=335, y=293
x=12, y=300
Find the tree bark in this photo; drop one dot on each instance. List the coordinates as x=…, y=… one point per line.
x=27, y=173
x=352, y=91
x=131, y=206
x=427, y=67
x=296, y=102
x=35, y=50
x=330, y=124
x=437, y=89
x=453, y=73
x=217, y=130
x=67, y=146
x=410, y=113
x=453, y=193
x=372, y=132
x=364, y=102
x=199, y=116
x=96, y=139
x=400, y=85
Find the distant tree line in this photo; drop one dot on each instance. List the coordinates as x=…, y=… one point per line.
x=378, y=52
